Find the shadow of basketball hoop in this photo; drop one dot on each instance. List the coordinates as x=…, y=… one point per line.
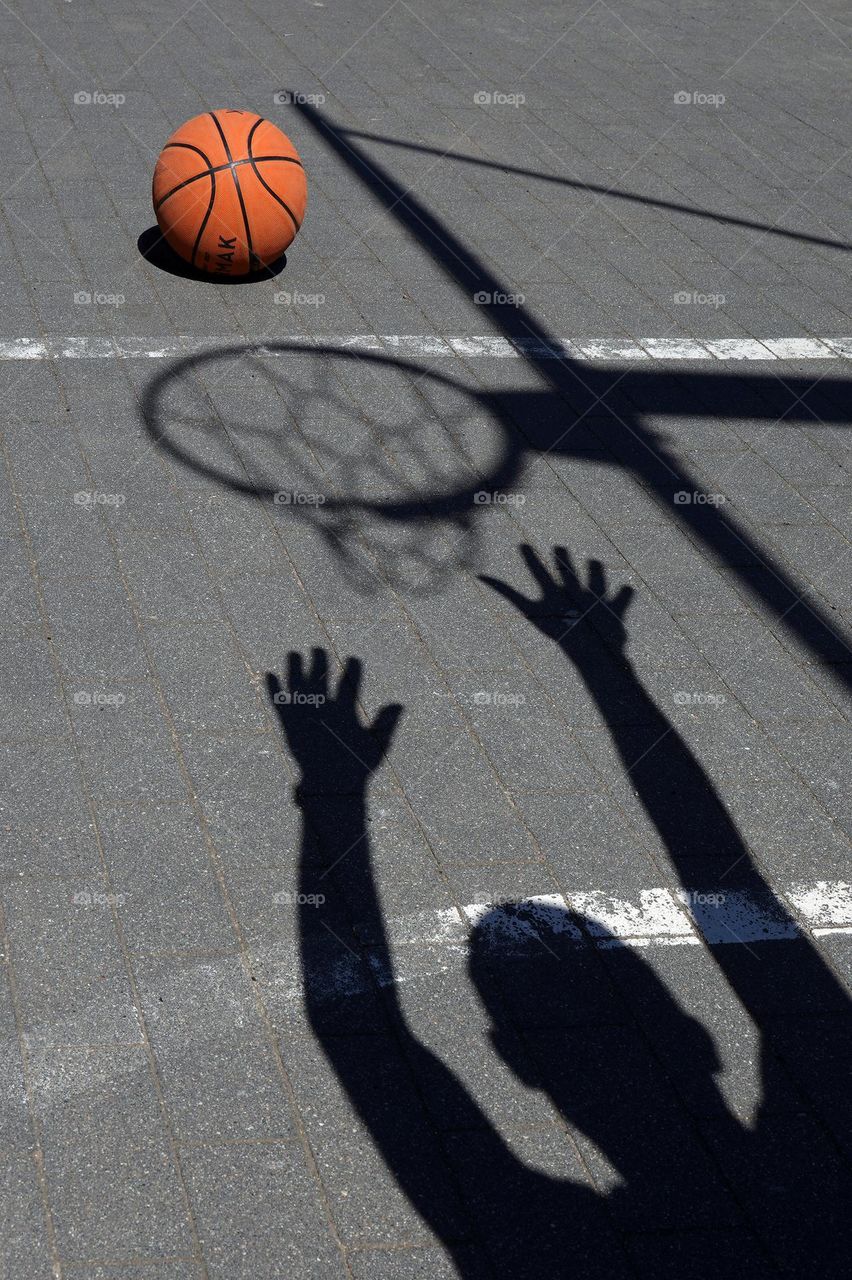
x=154, y=249
x=572, y=411
x=383, y=458
x=400, y=455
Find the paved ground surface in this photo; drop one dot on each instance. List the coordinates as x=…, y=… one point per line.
x=247, y=1031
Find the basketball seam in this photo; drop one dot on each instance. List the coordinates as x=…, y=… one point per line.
x=276, y=196
x=217, y=168
x=254, y=159
x=251, y=253
x=205, y=218
x=188, y=146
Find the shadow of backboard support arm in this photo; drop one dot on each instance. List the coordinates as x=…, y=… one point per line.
x=581, y=390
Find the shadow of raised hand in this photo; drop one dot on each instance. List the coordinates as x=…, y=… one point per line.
x=567, y=607
x=337, y=754
x=800, y=1213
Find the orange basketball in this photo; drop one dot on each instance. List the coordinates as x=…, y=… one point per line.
x=229, y=192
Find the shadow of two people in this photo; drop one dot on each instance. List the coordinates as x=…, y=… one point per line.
x=630, y=1075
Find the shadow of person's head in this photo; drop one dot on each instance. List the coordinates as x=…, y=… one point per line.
x=585, y=1019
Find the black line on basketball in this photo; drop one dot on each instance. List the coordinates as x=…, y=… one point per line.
x=186, y=182
x=218, y=168
x=254, y=162
x=252, y=157
x=251, y=252
x=274, y=194
x=257, y=123
x=221, y=132
x=286, y=159
x=206, y=217
x=187, y=146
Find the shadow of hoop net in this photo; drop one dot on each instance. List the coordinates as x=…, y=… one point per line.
x=385, y=457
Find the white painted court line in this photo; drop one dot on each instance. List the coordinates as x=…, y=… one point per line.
x=610, y=350
x=428, y=943
x=659, y=916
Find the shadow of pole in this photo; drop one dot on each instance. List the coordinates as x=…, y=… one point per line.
x=578, y=403
x=584, y=391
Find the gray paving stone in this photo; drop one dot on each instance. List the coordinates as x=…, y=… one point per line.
x=72, y=984
x=46, y=455
x=167, y=894
x=168, y=579
x=411, y=1264
x=244, y=785
x=752, y=663
x=47, y=827
x=235, y=534
x=270, y=615
x=21, y=1208
x=489, y=831
x=588, y=839
x=220, y=1082
x=32, y=702
x=206, y=683
x=531, y=747
x=67, y=533
x=114, y=1188
x=835, y=947
x=93, y=628
x=461, y=630
x=396, y=840
x=327, y=960
x=368, y=1206
x=172, y=1270
x=125, y=746
x=19, y=602
x=25, y=1249
x=258, y=1209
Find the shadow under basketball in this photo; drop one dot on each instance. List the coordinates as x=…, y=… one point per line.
x=155, y=249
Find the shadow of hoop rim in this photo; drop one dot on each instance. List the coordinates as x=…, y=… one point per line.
x=151, y=403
